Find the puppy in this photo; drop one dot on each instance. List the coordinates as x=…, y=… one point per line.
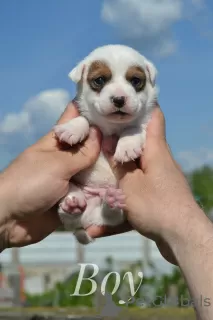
x=116, y=91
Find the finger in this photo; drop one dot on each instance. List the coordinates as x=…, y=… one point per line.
x=49, y=140
x=156, y=146
x=84, y=155
x=157, y=128
x=105, y=231
x=69, y=113
x=120, y=170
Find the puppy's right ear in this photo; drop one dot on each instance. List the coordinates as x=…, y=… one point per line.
x=76, y=73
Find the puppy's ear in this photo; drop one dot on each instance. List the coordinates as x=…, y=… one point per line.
x=151, y=71
x=76, y=73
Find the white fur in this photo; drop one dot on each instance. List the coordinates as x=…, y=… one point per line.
x=94, y=109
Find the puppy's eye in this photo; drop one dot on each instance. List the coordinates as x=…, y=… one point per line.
x=136, y=82
x=99, y=82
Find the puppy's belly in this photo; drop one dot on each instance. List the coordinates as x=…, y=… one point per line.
x=99, y=175
x=97, y=211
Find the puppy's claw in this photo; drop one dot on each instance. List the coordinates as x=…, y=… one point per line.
x=72, y=132
x=126, y=153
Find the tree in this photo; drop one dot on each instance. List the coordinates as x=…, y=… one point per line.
x=201, y=182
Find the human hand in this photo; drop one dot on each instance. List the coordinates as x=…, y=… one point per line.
x=36, y=180
x=159, y=195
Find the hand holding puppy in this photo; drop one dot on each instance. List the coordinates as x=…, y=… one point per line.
x=33, y=184
x=161, y=206
x=159, y=202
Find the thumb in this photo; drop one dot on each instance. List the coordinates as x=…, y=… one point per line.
x=155, y=145
x=84, y=155
x=70, y=112
x=120, y=170
x=49, y=141
x=78, y=157
x=156, y=129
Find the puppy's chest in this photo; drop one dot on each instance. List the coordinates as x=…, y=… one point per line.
x=99, y=175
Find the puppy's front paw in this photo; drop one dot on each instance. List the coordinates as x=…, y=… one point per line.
x=72, y=132
x=128, y=149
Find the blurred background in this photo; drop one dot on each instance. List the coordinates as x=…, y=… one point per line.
x=40, y=42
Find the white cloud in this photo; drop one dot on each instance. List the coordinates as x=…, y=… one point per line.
x=147, y=24
x=15, y=122
x=47, y=104
x=38, y=115
x=194, y=159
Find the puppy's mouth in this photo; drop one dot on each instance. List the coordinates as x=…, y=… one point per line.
x=119, y=116
x=119, y=112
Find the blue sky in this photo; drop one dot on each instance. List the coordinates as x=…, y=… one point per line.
x=41, y=41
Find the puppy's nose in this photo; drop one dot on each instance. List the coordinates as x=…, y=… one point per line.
x=118, y=101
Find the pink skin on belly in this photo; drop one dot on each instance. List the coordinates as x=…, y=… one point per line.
x=77, y=203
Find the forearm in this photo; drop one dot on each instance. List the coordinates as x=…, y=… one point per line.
x=3, y=226
x=3, y=237
x=192, y=247
x=4, y=214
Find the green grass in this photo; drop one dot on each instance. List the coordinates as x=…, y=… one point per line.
x=125, y=314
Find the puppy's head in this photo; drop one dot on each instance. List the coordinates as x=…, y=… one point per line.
x=117, y=83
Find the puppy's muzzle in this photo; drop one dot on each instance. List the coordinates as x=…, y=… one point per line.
x=118, y=102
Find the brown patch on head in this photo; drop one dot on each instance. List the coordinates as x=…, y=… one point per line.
x=98, y=75
x=137, y=77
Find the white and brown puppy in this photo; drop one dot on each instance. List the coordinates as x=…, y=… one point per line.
x=117, y=93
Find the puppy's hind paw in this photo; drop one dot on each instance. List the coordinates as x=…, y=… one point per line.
x=73, y=204
x=115, y=198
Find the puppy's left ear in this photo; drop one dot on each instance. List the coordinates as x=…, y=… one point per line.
x=76, y=73
x=151, y=71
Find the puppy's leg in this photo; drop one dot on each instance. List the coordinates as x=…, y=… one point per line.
x=74, y=131
x=96, y=213
x=99, y=213
x=113, y=196
x=130, y=144
x=91, y=216
x=71, y=208
x=76, y=213
x=74, y=202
